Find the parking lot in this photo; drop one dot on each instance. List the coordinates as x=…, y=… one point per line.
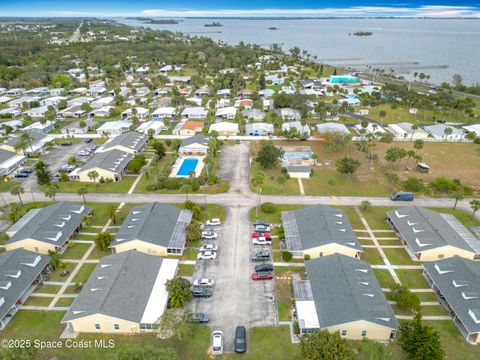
x=236, y=299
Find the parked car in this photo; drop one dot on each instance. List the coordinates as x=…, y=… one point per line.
x=262, y=241
x=402, y=196
x=263, y=255
x=208, y=247
x=264, y=267
x=213, y=222
x=26, y=170
x=200, y=292
x=209, y=235
x=262, y=228
x=217, y=342
x=240, y=339
x=20, y=175
x=199, y=318
x=66, y=168
x=260, y=222
x=204, y=282
x=83, y=153
x=56, y=178
x=88, y=141
x=207, y=255
x=66, y=143
x=262, y=275
x=260, y=234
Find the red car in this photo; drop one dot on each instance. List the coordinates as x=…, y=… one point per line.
x=262, y=276
x=257, y=235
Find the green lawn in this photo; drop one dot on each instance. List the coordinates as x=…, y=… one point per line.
x=47, y=289
x=269, y=343
x=388, y=242
x=75, y=250
x=84, y=273
x=119, y=187
x=433, y=310
x=283, y=270
x=384, y=278
x=101, y=213
x=413, y=279
x=465, y=218
x=55, y=276
x=372, y=256
x=185, y=270
x=427, y=296
x=284, y=307
x=45, y=325
x=275, y=217
x=453, y=342
x=64, y=302
x=97, y=254
x=399, y=257
x=189, y=254
x=6, y=186
x=38, y=301
x=376, y=217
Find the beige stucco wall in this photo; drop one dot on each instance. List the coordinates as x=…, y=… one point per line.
x=354, y=330
x=330, y=249
x=446, y=251
x=31, y=245
x=141, y=246
x=297, y=175
x=87, y=324
x=11, y=148
x=83, y=175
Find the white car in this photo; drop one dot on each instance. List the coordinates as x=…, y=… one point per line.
x=262, y=241
x=213, y=222
x=217, y=342
x=83, y=153
x=262, y=228
x=208, y=247
x=207, y=255
x=209, y=235
x=204, y=282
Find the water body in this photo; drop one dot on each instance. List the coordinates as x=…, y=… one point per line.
x=455, y=43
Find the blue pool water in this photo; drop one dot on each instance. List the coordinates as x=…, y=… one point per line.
x=188, y=165
x=297, y=155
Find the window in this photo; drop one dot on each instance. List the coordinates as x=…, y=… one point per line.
x=364, y=333
x=97, y=326
x=116, y=326
x=344, y=332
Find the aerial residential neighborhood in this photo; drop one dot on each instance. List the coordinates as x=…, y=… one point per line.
x=168, y=195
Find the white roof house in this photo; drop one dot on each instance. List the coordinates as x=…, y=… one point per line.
x=105, y=101
x=164, y=112
x=11, y=111
x=194, y=113
x=224, y=127
x=227, y=113
x=114, y=128
x=405, y=131
x=289, y=114
x=303, y=130
x=332, y=127
x=473, y=128
x=437, y=131
x=103, y=112
x=53, y=100
x=258, y=129
x=142, y=113
x=157, y=126
x=47, y=127
x=372, y=128
x=37, y=111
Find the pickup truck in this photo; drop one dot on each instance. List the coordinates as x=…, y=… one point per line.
x=263, y=255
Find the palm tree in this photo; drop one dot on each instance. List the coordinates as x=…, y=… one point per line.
x=414, y=128
x=213, y=145
x=54, y=261
x=18, y=191
x=82, y=192
x=186, y=188
x=112, y=213
x=25, y=140
x=458, y=196
x=257, y=182
x=93, y=175
x=52, y=191
x=447, y=131
x=382, y=115
x=72, y=160
x=475, y=205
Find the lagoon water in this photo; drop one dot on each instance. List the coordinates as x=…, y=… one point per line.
x=455, y=42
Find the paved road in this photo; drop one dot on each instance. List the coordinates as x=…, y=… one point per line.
x=235, y=167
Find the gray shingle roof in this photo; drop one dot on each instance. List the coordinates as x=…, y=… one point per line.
x=345, y=290
x=458, y=279
x=298, y=169
x=6, y=155
x=424, y=229
x=36, y=135
x=318, y=225
x=132, y=140
x=18, y=269
x=155, y=223
x=120, y=286
x=114, y=160
x=52, y=224
x=199, y=138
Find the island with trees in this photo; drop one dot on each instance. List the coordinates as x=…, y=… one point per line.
x=213, y=24
x=363, y=33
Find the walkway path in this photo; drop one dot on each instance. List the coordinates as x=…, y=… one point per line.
x=300, y=186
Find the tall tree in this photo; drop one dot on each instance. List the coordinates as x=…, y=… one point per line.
x=93, y=175
x=44, y=176
x=52, y=191
x=18, y=191
x=324, y=345
x=257, y=182
x=269, y=155
x=178, y=291
x=475, y=206
x=82, y=192
x=103, y=240
x=347, y=165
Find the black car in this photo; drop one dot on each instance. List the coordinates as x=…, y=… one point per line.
x=88, y=141
x=66, y=143
x=20, y=175
x=264, y=267
x=26, y=170
x=240, y=339
x=199, y=318
x=199, y=292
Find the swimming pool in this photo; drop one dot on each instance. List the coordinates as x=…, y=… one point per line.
x=297, y=155
x=188, y=165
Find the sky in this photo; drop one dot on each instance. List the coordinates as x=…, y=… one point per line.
x=226, y=8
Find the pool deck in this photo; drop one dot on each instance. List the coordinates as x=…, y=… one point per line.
x=178, y=164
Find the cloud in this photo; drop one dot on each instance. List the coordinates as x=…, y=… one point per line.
x=423, y=11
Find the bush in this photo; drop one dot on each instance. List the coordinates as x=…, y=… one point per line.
x=268, y=208
x=172, y=184
x=306, y=257
x=195, y=186
x=212, y=180
x=287, y=256
x=296, y=328
x=151, y=187
x=281, y=233
x=414, y=184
